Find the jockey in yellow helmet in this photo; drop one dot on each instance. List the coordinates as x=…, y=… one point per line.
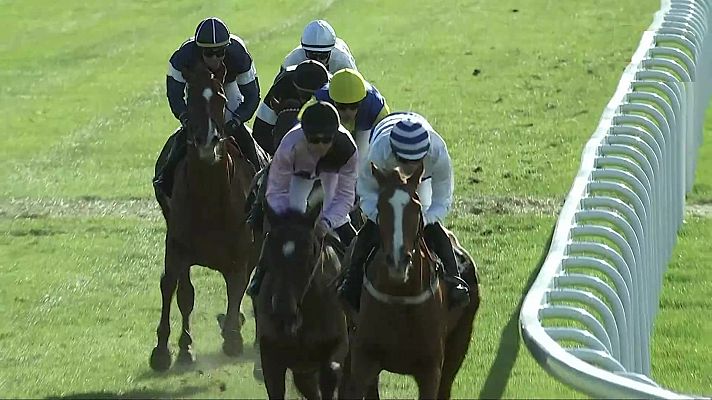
x=360, y=105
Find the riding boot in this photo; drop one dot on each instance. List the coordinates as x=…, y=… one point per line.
x=256, y=213
x=438, y=241
x=350, y=288
x=245, y=142
x=253, y=289
x=164, y=178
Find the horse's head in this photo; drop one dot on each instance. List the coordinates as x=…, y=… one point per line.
x=399, y=217
x=292, y=254
x=206, y=107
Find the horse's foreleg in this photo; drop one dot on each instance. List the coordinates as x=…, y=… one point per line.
x=186, y=299
x=428, y=381
x=274, y=373
x=232, y=336
x=160, y=356
x=372, y=391
x=308, y=384
x=361, y=377
x=458, y=342
x=329, y=373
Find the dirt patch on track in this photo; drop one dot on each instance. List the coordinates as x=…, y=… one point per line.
x=79, y=207
x=148, y=208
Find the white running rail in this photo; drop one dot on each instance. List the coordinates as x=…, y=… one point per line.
x=588, y=317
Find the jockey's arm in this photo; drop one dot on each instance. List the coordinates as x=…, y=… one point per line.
x=442, y=188
x=262, y=132
x=338, y=209
x=366, y=185
x=280, y=177
x=250, y=91
x=175, y=91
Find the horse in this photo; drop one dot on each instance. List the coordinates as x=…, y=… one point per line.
x=299, y=321
x=404, y=325
x=205, y=218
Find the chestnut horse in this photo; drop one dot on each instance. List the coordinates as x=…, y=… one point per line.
x=404, y=325
x=205, y=218
x=300, y=324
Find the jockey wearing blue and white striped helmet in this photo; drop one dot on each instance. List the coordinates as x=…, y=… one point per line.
x=406, y=140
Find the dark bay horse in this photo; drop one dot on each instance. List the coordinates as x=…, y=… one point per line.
x=404, y=325
x=300, y=324
x=205, y=218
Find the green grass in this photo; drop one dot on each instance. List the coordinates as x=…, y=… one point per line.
x=84, y=114
x=683, y=333
x=681, y=339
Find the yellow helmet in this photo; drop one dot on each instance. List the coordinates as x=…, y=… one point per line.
x=347, y=86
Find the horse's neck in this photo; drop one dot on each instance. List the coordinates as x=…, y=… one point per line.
x=418, y=276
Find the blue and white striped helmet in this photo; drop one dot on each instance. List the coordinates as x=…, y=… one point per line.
x=212, y=32
x=410, y=138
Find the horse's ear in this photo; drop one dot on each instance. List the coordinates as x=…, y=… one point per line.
x=415, y=177
x=377, y=173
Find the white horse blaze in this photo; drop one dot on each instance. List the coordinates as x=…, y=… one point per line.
x=398, y=202
x=208, y=94
x=288, y=248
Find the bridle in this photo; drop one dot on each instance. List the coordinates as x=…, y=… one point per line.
x=426, y=293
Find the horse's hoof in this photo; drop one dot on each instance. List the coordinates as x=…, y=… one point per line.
x=185, y=357
x=160, y=359
x=257, y=373
x=221, y=320
x=233, y=347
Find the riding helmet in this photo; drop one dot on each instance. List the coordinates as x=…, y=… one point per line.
x=318, y=36
x=347, y=86
x=212, y=32
x=320, y=119
x=310, y=75
x=410, y=138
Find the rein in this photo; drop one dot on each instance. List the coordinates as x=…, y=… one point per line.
x=322, y=253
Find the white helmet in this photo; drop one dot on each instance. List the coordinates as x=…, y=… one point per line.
x=318, y=36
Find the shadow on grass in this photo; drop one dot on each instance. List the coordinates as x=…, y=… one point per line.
x=203, y=363
x=186, y=391
x=509, y=345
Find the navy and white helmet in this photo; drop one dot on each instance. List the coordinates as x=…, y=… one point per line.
x=212, y=32
x=318, y=36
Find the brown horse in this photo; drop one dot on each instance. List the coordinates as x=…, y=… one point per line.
x=205, y=218
x=300, y=324
x=404, y=325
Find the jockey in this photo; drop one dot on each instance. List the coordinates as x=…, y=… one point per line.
x=360, y=105
x=298, y=83
x=213, y=45
x=318, y=148
x=407, y=140
x=319, y=43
